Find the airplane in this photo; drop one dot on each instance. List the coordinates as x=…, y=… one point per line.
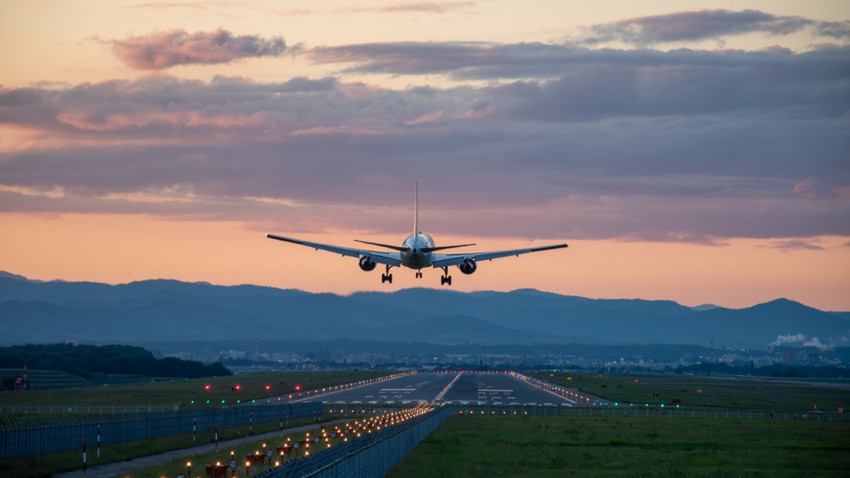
x=416, y=252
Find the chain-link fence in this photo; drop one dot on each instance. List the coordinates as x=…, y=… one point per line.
x=370, y=456
x=25, y=437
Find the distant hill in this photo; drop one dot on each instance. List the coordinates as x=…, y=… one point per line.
x=173, y=311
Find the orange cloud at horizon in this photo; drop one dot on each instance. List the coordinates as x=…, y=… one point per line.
x=121, y=248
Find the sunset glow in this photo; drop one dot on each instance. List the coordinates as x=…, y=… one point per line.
x=684, y=153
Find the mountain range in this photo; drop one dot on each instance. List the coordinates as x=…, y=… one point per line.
x=171, y=311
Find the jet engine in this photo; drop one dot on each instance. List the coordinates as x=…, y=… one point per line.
x=366, y=264
x=468, y=267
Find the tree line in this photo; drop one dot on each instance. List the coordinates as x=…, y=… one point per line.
x=85, y=360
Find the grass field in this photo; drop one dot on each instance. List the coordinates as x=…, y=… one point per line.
x=486, y=446
x=185, y=393
x=702, y=391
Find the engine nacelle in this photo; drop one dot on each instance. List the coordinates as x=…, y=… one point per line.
x=468, y=267
x=366, y=264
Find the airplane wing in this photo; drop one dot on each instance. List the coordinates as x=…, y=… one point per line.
x=444, y=260
x=381, y=257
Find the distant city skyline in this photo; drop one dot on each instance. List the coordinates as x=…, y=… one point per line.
x=692, y=153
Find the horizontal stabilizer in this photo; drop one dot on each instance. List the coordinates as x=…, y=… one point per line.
x=395, y=248
x=440, y=248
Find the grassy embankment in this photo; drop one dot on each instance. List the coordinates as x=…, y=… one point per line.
x=701, y=391
x=184, y=393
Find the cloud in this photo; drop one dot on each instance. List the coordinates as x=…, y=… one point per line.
x=424, y=7
x=790, y=244
x=562, y=140
x=702, y=25
x=765, y=77
x=162, y=50
x=838, y=30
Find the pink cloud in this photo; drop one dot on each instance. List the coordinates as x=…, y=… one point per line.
x=320, y=130
x=805, y=186
x=425, y=7
x=431, y=117
x=162, y=50
x=843, y=192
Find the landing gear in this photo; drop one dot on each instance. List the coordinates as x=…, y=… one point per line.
x=418, y=274
x=387, y=277
x=446, y=279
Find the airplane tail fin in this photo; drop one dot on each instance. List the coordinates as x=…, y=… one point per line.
x=416, y=211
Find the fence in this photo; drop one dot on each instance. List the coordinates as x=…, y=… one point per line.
x=641, y=411
x=25, y=437
x=370, y=456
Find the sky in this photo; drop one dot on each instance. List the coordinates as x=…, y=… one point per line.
x=691, y=151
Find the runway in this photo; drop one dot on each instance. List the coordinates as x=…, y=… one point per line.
x=496, y=388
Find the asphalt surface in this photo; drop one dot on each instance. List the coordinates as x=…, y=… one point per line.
x=408, y=389
x=453, y=387
x=498, y=389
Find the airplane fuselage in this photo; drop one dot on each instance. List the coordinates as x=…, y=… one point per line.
x=414, y=257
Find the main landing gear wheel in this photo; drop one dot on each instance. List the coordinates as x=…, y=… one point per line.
x=387, y=277
x=419, y=275
x=446, y=279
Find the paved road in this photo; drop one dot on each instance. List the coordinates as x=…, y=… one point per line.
x=127, y=467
